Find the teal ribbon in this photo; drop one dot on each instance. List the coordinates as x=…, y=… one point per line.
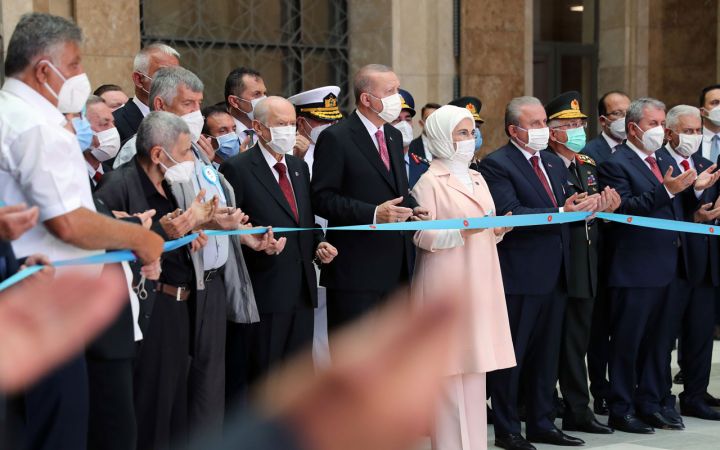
x=525, y=220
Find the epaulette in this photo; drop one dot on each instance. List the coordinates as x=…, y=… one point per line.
x=585, y=159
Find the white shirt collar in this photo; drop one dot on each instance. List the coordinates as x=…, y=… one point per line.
x=611, y=141
x=269, y=158
x=564, y=160
x=708, y=135
x=91, y=170
x=144, y=109
x=677, y=157
x=526, y=153
x=637, y=151
x=371, y=128
x=34, y=99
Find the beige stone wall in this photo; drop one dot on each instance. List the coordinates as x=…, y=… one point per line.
x=496, y=59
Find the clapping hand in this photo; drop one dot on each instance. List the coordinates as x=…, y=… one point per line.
x=679, y=183
x=707, y=178
x=15, y=220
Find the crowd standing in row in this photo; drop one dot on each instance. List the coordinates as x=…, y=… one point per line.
x=205, y=321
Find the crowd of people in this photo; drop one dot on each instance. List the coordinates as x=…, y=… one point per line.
x=538, y=309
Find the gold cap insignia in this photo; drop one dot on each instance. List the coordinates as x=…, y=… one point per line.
x=574, y=104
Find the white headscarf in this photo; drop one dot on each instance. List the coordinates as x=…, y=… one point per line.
x=438, y=129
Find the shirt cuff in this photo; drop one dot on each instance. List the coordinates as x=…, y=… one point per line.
x=561, y=209
x=698, y=194
x=375, y=216
x=668, y=192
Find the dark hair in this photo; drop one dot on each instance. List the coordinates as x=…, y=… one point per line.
x=429, y=106
x=602, y=108
x=234, y=82
x=704, y=92
x=36, y=34
x=210, y=111
x=107, y=88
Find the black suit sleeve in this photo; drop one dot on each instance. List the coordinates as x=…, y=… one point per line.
x=327, y=183
x=232, y=175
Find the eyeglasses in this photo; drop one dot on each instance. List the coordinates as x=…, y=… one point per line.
x=618, y=113
x=570, y=126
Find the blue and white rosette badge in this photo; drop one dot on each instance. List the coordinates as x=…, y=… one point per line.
x=210, y=174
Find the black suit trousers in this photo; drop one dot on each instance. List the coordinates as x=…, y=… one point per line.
x=112, y=412
x=161, y=375
x=206, y=383
x=599, y=348
x=693, y=309
x=536, y=328
x=639, y=364
x=573, y=371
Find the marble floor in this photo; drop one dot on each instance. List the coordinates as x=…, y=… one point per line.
x=698, y=434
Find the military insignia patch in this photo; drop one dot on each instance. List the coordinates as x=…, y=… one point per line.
x=330, y=101
x=591, y=180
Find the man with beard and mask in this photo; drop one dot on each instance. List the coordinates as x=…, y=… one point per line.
x=316, y=110
x=220, y=128
x=273, y=187
x=567, y=125
x=693, y=300
x=359, y=178
x=535, y=263
x=244, y=88
x=146, y=63
x=105, y=142
x=644, y=267
x=611, y=113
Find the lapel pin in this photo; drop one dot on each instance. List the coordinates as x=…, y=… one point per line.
x=297, y=174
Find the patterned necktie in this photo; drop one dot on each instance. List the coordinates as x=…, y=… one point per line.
x=685, y=165
x=384, y=155
x=286, y=188
x=654, y=167
x=715, y=148
x=535, y=161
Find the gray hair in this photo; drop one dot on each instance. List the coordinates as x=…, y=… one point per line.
x=637, y=108
x=512, y=111
x=362, y=81
x=262, y=109
x=159, y=129
x=37, y=34
x=673, y=116
x=167, y=80
x=141, y=63
x=93, y=100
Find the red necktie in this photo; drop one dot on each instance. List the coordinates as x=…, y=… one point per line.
x=384, y=155
x=286, y=188
x=97, y=177
x=535, y=160
x=654, y=167
x=685, y=165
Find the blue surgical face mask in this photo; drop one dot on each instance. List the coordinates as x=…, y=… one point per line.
x=228, y=145
x=575, y=139
x=478, y=139
x=83, y=132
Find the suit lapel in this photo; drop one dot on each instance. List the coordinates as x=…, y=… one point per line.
x=298, y=183
x=524, y=166
x=263, y=173
x=557, y=188
x=364, y=142
x=642, y=167
x=397, y=160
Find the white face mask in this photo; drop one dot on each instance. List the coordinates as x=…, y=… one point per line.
x=282, y=139
x=537, y=138
x=714, y=116
x=464, y=151
x=73, y=93
x=109, y=144
x=392, y=106
x=689, y=144
x=315, y=132
x=195, y=122
x=407, y=132
x=181, y=172
x=653, y=138
x=253, y=103
x=617, y=129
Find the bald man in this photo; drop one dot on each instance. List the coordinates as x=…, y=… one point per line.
x=273, y=188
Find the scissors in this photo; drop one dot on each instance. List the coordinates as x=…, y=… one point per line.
x=140, y=290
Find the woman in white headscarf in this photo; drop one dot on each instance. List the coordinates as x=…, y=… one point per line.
x=468, y=260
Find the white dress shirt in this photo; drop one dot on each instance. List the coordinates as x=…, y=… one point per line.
x=611, y=141
x=529, y=155
x=642, y=155
x=242, y=131
x=426, y=146
x=271, y=161
x=91, y=172
x=41, y=165
x=707, y=143
x=144, y=109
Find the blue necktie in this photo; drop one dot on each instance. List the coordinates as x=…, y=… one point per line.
x=715, y=148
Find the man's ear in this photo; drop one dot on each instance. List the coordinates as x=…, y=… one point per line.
x=41, y=72
x=155, y=154
x=137, y=80
x=158, y=104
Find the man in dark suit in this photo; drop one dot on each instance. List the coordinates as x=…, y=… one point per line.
x=359, y=178
x=567, y=138
x=611, y=113
x=644, y=265
x=534, y=263
x=273, y=188
x=146, y=63
x=693, y=300
x=417, y=147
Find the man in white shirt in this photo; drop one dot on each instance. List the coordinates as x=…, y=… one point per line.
x=41, y=164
